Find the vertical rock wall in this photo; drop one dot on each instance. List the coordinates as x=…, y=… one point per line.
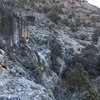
x=24, y=33
x=16, y=31
x=12, y=28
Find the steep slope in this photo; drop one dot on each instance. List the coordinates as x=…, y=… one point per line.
x=50, y=51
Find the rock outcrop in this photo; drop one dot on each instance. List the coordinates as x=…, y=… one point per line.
x=54, y=55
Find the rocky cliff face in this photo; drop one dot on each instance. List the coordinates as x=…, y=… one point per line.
x=60, y=58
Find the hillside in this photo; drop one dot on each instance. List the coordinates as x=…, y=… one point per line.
x=49, y=50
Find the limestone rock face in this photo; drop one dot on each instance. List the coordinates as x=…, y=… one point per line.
x=22, y=89
x=50, y=50
x=15, y=84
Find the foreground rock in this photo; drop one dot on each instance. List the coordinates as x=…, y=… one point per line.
x=16, y=88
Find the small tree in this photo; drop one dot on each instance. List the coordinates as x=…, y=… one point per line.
x=96, y=35
x=54, y=17
x=78, y=81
